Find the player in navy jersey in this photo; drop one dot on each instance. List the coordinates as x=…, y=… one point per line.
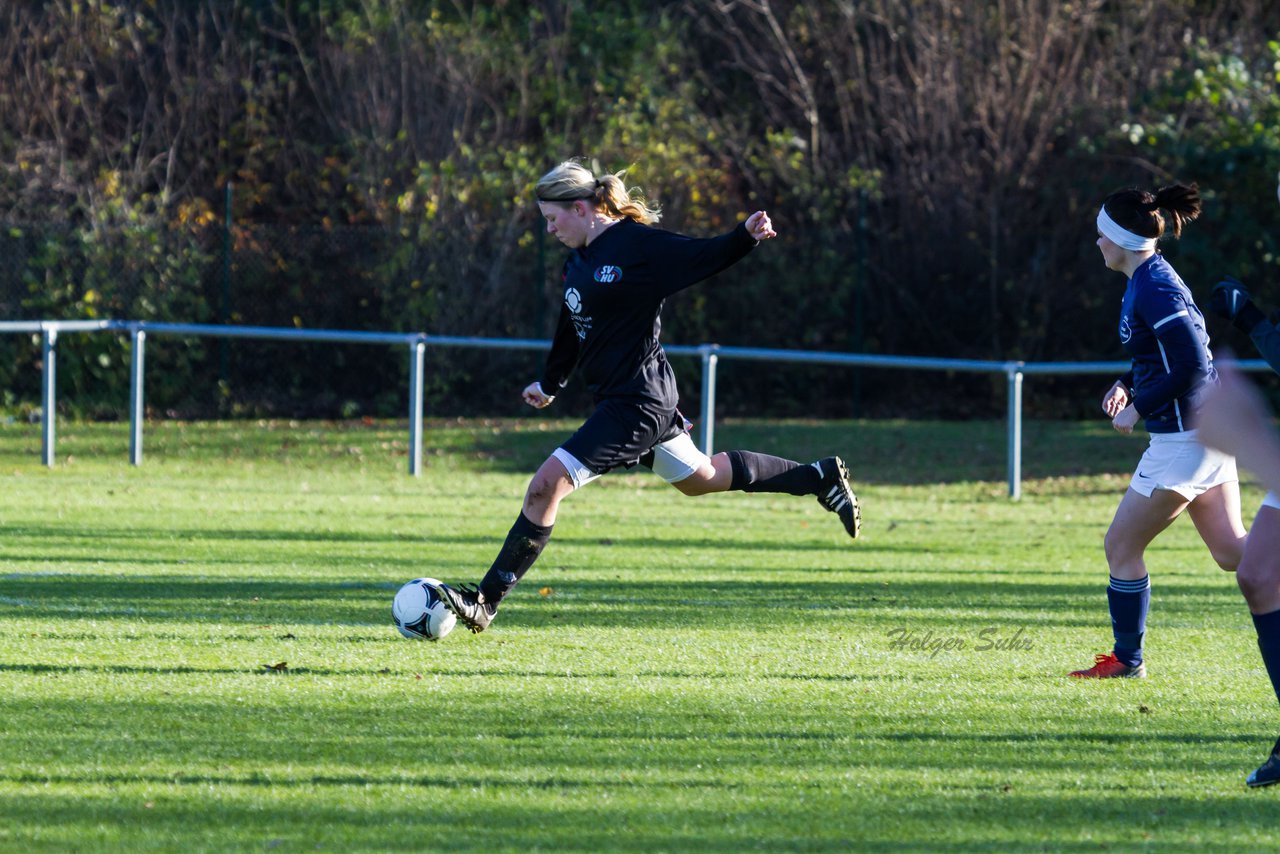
x=619, y=273
x=1163, y=331
x=1259, y=571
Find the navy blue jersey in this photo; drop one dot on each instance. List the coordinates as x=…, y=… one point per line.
x=614, y=289
x=1164, y=333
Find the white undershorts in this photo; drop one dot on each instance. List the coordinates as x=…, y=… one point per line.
x=673, y=461
x=1179, y=463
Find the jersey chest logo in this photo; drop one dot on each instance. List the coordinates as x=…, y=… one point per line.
x=608, y=274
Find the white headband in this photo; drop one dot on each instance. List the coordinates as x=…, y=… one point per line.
x=1122, y=237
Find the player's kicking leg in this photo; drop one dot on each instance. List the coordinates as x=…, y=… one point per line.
x=476, y=604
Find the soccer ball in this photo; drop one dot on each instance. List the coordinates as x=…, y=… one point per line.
x=419, y=611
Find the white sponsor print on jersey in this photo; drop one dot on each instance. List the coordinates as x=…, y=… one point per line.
x=1126, y=331
x=581, y=323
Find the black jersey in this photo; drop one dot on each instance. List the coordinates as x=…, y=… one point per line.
x=614, y=289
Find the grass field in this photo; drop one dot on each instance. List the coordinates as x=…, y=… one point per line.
x=197, y=654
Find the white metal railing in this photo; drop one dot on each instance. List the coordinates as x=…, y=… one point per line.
x=417, y=342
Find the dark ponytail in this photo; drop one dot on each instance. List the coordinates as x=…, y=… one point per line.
x=1138, y=211
x=1180, y=200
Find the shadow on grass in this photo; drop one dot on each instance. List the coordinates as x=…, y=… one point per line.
x=660, y=606
x=1092, y=750
x=175, y=538
x=265, y=670
x=169, y=535
x=673, y=814
x=879, y=452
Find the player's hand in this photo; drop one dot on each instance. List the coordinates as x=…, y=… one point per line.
x=759, y=226
x=1228, y=297
x=1125, y=420
x=1116, y=399
x=536, y=397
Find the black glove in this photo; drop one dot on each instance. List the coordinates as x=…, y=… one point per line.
x=1230, y=300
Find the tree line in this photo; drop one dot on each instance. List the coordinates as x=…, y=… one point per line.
x=933, y=167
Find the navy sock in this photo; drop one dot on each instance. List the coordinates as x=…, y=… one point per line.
x=1129, y=601
x=1268, y=626
x=525, y=541
x=754, y=472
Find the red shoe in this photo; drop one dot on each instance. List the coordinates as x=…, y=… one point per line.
x=1109, y=667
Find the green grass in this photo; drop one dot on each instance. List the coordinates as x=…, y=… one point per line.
x=675, y=674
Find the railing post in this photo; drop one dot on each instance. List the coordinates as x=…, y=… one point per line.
x=708, y=417
x=417, y=353
x=1013, y=370
x=49, y=395
x=136, y=409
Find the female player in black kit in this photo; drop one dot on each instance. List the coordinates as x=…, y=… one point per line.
x=615, y=281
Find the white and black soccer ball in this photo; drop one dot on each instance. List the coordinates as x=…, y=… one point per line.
x=420, y=613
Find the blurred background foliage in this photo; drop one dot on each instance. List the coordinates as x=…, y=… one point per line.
x=933, y=169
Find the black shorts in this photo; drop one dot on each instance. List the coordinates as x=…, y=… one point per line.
x=620, y=432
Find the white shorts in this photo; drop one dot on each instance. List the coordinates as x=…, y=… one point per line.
x=673, y=461
x=1179, y=463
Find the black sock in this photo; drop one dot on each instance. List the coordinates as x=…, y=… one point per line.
x=754, y=472
x=1268, y=626
x=524, y=543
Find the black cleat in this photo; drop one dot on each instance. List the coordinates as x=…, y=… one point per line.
x=835, y=494
x=464, y=602
x=1268, y=772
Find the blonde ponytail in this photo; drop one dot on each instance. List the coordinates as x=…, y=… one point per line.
x=571, y=181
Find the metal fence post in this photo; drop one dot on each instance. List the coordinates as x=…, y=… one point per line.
x=708, y=418
x=224, y=309
x=417, y=352
x=1013, y=370
x=49, y=395
x=137, y=357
